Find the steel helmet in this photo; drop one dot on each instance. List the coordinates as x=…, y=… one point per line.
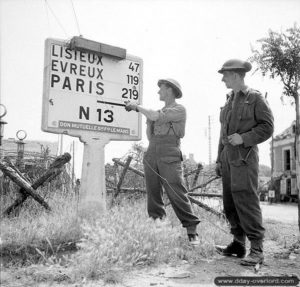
x=236, y=65
x=174, y=84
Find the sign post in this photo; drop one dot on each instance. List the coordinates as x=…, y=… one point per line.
x=92, y=189
x=85, y=86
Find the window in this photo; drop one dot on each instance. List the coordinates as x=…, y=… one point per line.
x=288, y=186
x=294, y=187
x=287, y=159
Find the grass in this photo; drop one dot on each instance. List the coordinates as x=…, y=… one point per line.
x=126, y=237
x=123, y=238
x=35, y=232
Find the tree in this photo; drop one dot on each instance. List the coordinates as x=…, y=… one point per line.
x=264, y=170
x=279, y=57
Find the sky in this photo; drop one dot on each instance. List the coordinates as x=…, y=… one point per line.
x=187, y=40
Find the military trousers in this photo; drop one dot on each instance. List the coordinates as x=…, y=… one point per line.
x=162, y=166
x=240, y=198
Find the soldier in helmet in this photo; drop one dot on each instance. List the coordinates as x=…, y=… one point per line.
x=162, y=161
x=246, y=120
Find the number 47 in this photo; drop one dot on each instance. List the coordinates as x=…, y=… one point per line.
x=134, y=66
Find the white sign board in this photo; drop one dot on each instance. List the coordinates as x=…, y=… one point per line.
x=271, y=193
x=85, y=92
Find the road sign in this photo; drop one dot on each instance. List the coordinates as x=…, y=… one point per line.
x=85, y=86
x=85, y=91
x=271, y=193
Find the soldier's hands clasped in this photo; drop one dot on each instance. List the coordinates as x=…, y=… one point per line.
x=235, y=139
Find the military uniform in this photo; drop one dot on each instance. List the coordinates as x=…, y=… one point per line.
x=162, y=160
x=246, y=121
x=162, y=166
x=250, y=116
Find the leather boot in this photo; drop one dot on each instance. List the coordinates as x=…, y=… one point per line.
x=255, y=256
x=235, y=248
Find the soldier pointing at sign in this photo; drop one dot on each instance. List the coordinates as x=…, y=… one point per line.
x=246, y=120
x=162, y=161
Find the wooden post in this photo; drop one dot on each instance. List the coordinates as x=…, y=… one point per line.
x=25, y=186
x=199, y=167
x=116, y=174
x=204, y=184
x=10, y=164
x=51, y=173
x=206, y=207
x=205, y=194
x=186, y=178
x=138, y=172
x=190, y=172
x=122, y=176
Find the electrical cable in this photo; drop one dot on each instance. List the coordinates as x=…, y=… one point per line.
x=106, y=105
x=76, y=18
x=47, y=14
x=56, y=18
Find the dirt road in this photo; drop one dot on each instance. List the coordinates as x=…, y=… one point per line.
x=279, y=261
x=284, y=212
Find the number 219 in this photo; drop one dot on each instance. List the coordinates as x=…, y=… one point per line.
x=130, y=94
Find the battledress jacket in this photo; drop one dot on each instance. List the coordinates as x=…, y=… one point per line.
x=250, y=117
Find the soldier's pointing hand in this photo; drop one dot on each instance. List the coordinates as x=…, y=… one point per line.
x=130, y=106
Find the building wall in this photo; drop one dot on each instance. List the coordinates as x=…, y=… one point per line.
x=279, y=149
x=287, y=183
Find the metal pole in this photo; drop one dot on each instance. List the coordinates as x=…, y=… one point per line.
x=20, y=155
x=21, y=135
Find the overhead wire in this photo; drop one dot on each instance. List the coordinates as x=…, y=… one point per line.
x=56, y=18
x=78, y=28
x=62, y=27
x=47, y=14
x=68, y=41
x=106, y=105
x=76, y=18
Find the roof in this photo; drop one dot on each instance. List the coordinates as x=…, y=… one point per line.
x=33, y=146
x=287, y=133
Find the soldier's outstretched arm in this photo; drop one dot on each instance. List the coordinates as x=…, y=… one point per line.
x=148, y=113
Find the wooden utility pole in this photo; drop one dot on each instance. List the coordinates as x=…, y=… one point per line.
x=272, y=156
x=209, y=140
x=297, y=150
